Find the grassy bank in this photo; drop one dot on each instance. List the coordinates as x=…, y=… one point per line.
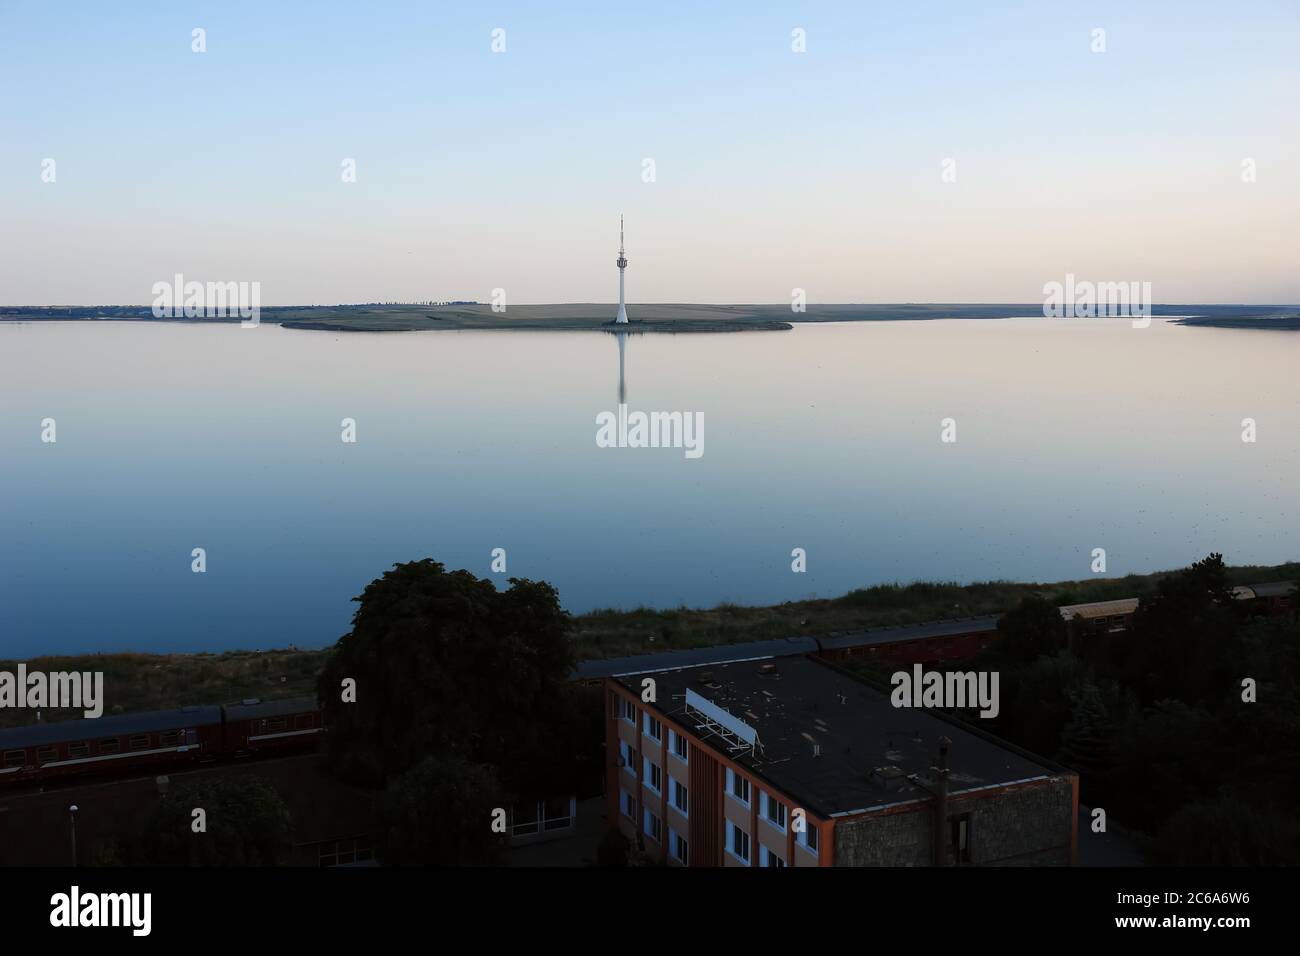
x=616, y=633
x=134, y=682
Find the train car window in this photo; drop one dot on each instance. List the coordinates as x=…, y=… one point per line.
x=276, y=725
x=140, y=742
x=302, y=722
x=46, y=754
x=171, y=738
x=256, y=727
x=80, y=749
x=15, y=758
x=110, y=746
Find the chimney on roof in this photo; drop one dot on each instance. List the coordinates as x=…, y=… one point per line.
x=941, y=806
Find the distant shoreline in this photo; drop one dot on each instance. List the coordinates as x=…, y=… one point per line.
x=650, y=318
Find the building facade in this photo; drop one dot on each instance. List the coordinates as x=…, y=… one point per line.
x=795, y=763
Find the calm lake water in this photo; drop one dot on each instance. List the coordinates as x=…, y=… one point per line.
x=1071, y=435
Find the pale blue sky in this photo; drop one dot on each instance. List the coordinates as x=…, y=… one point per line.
x=774, y=169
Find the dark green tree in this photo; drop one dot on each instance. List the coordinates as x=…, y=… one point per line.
x=1034, y=629
x=1039, y=697
x=1088, y=739
x=1168, y=755
x=247, y=824
x=1226, y=832
x=440, y=812
x=445, y=664
x=1184, y=644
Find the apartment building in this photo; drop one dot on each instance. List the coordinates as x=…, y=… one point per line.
x=794, y=762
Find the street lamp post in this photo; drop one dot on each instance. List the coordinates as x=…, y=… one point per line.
x=72, y=815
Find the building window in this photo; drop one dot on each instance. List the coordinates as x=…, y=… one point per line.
x=524, y=818
x=808, y=838
x=653, y=827
x=738, y=843
x=653, y=728
x=677, y=793
x=767, y=858
x=15, y=758
x=738, y=786
x=677, y=744
x=557, y=813
x=110, y=745
x=654, y=778
x=677, y=846
x=959, y=838
x=341, y=852
x=627, y=710
x=629, y=806
x=773, y=810
x=630, y=757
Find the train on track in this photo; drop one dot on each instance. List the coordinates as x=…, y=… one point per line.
x=38, y=754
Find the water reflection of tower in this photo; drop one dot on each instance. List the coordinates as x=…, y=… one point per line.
x=622, y=264
x=622, y=381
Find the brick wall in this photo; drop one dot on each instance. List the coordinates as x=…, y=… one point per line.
x=1029, y=826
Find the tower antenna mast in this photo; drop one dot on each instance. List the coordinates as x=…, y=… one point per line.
x=622, y=264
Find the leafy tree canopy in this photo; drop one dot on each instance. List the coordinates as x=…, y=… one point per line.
x=246, y=821
x=445, y=664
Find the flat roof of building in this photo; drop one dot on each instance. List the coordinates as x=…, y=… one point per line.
x=795, y=703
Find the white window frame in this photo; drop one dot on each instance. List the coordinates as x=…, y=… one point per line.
x=801, y=838
x=764, y=806
x=732, y=777
x=765, y=856
x=675, y=841
x=673, y=737
x=650, y=721
x=627, y=710
x=734, y=828
x=629, y=762
x=648, y=779
x=647, y=816
x=673, y=784
x=623, y=805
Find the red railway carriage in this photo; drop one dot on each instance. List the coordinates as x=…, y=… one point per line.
x=256, y=726
x=1103, y=617
x=108, y=745
x=1277, y=598
x=928, y=643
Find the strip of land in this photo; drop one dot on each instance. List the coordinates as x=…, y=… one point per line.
x=663, y=317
